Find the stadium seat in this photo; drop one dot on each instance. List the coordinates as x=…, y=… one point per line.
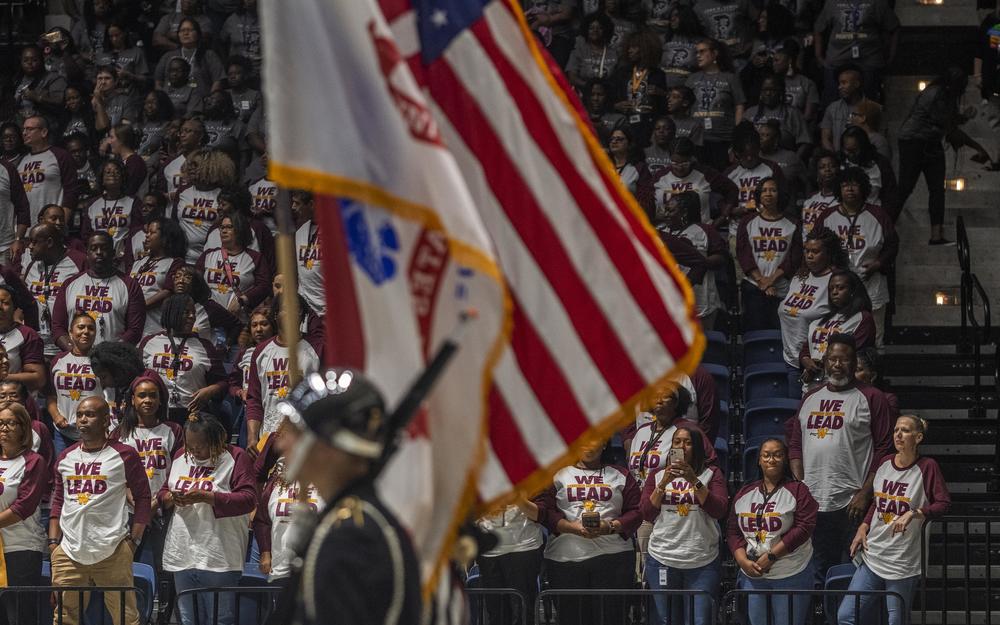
x=837, y=578
x=144, y=580
x=723, y=420
x=716, y=349
x=751, y=472
x=720, y=374
x=762, y=346
x=765, y=381
x=722, y=453
x=766, y=417
x=254, y=608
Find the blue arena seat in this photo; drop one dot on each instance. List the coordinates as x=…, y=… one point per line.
x=766, y=417
x=723, y=419
x=716, y=349
x=751, y=471
x=720, y=374
x=765, y=381
x=722, y=452
x=837, y=578
x=762, y=346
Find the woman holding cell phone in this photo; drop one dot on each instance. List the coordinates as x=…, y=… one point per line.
x=212, y=491
x=684, y=500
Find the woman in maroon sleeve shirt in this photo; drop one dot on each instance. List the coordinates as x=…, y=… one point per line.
x=770, y=534
x=25, y=477
x=592, y=510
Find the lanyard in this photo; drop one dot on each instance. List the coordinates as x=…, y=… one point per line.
x=654, y=438
x=229, y=272
x=176, y=352
x=760, y=510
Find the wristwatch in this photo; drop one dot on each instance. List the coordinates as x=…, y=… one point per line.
x=698, y=485
x=772, y=557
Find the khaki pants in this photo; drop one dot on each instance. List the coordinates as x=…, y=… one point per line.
x=115, y=570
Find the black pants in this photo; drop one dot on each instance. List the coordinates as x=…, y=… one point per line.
x=24, y=568
x=918, y=156
x=760, y=311
x=517, y=570
x=615, y=570
x=831, y=541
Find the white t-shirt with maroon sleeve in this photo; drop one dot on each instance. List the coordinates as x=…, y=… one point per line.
x=156, y=447
x=648, y=450
x=574, y=487
x=820, y=331
x=268, y=381
x=805, y=301
x=211, y=537
x=863, y=236
x=764, y=244
x=45, y=283
x=172, y=173
x=196, y=211
x=264, y=200
x=685, y=533
x=115, y=303
x=837, y=434
x=153, y=276
x=244, y=270
x=758, y=522
x=89, y=499
x=23, y=482
x=72, y=380
x=116, y=217
x=280, y=501
x=920, y=486
x=186, y=365
x=43, y=176
x=813, y=208
x=24, y=347
x=309, y=258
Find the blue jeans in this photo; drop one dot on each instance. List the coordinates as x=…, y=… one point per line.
x=757, y=604
x=60, y=442
x=200, y=612
x=865, y=579
x=676, y=610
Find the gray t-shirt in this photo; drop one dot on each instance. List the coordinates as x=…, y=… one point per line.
x=678, y=60
x=241, y=35
x=716, y=97
x=691, y=127
x=590, y=63
x=857, y=31
x=836, y=118
x=793, y=128
x=930, y=118
x=728, y=21
x=799, y=91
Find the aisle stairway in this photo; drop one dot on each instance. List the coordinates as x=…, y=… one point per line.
x=928, y=359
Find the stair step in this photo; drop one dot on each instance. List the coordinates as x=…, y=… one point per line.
x=917, y=334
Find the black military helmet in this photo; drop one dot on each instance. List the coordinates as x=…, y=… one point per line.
x=342, y=408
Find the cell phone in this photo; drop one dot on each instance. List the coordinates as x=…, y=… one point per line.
x=675, y=455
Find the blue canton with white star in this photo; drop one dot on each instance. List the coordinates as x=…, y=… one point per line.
x=440, y=21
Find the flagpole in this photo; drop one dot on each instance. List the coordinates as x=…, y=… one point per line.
x=285, y=251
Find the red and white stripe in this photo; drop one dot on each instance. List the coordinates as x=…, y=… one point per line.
x=598, y=313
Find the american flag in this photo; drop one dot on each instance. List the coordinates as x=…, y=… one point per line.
x=601, y=312
x=492, y=154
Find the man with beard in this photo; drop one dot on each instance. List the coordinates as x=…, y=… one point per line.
x=842, y=430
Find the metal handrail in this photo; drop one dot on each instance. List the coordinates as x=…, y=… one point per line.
x=58, y=593
x=964, y=253
x=603, y=593
x=485, y=594
x=966, y=521
x=262, y=609
x=981, y=334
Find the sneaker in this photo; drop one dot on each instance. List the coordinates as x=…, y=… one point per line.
x=940, y=242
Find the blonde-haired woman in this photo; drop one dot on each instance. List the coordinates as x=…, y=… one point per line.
x=909, y=488
x=206, y=172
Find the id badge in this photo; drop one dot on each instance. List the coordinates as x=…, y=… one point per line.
x=635, y=119
x=855, y=52
x=708, y=123
x=663, y=577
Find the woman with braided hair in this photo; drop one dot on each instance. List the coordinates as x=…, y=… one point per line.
x=189, y=365
x=211, y=486
x=116, y=364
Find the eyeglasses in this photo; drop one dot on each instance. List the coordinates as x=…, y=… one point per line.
x=613, y=139
x=8, y=425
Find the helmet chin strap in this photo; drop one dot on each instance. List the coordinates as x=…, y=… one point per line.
x=302, y=448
